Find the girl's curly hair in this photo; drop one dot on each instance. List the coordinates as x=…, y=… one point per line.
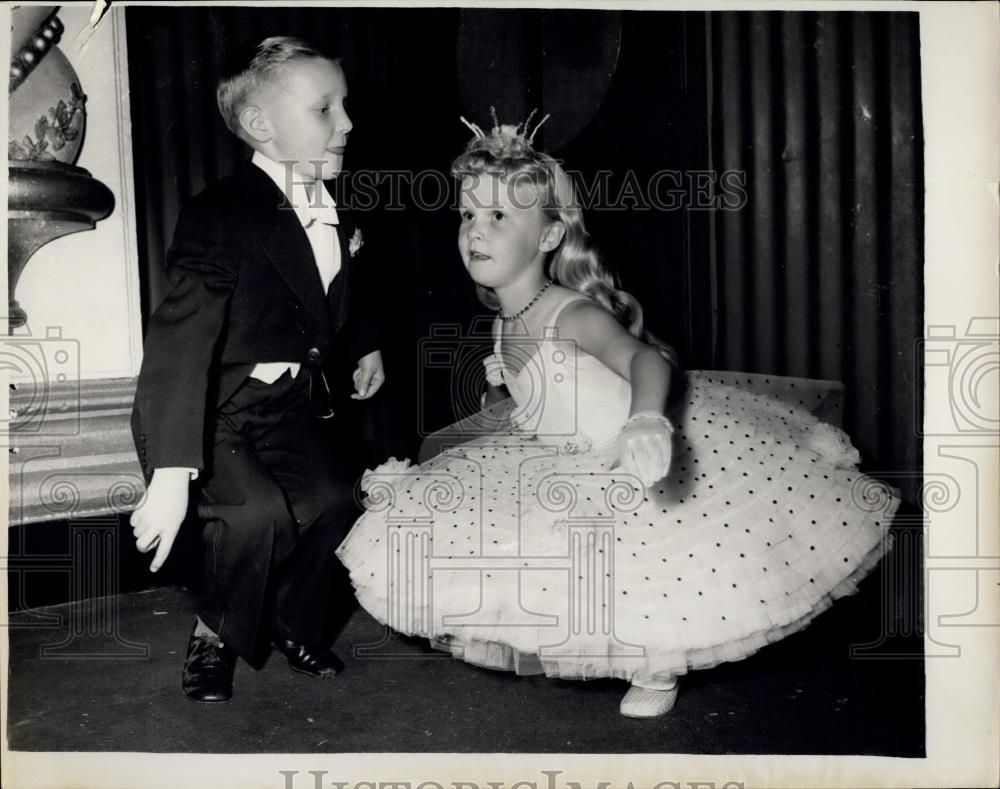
x=576, y=262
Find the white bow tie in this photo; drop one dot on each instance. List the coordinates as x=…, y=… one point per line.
x=326, y=214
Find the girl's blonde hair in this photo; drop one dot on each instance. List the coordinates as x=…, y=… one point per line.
x=575, y=263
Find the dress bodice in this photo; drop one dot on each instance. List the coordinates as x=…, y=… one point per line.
x=562, y=393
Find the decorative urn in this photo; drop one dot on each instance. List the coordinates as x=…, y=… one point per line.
x=48, y=195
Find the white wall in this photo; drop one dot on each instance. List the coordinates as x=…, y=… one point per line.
x=86, y=284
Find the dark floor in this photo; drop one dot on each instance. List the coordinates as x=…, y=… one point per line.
x=804, y=695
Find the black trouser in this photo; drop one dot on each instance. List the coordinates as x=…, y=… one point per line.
x=276, y=504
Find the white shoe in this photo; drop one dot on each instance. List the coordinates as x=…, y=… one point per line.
x=642, y=702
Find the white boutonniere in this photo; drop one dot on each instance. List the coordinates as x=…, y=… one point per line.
x=356, y=242
x=494, y=370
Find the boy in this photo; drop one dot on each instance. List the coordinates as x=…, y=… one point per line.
x=233, y=382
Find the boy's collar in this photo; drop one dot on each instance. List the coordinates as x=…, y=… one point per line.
x=297, y=195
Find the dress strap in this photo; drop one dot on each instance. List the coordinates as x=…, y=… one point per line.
x=548, y=323
x=553, y=319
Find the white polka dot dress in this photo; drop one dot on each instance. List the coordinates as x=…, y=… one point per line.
x=529, y=550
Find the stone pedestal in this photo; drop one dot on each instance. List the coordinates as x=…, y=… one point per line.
x=48, y=196
x=47, y=200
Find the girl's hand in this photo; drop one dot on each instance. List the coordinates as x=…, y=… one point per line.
x=369, y=376
x=645, y=447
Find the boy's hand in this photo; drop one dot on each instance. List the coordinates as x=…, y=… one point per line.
x=161, y=511
x=645, y=449
x=369, y=376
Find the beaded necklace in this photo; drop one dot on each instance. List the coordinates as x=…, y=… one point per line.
x=526, y=307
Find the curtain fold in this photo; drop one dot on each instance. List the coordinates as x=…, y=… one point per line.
x=179, y=146
x=820, y=273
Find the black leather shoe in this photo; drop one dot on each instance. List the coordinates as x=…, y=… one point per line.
x=208, y=670
x=307, y=660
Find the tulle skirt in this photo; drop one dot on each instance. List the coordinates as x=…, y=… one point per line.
x=514, y=554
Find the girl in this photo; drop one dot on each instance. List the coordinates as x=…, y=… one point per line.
x=598, y=536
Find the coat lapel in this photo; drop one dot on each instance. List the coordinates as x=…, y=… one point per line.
x=279, y=233
x=339, y=293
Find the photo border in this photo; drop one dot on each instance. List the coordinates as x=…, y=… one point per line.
x=961, y=107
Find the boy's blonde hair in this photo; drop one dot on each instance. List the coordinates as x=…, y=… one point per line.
x=255, y=67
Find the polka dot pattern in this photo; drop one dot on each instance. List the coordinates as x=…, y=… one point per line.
x=530, y=556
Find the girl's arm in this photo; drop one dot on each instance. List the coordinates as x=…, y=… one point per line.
x=645, y=441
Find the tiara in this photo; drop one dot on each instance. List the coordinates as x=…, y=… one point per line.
x=518, y=132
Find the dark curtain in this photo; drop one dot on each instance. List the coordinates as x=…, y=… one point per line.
x=411, y=74
x=820, y=273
